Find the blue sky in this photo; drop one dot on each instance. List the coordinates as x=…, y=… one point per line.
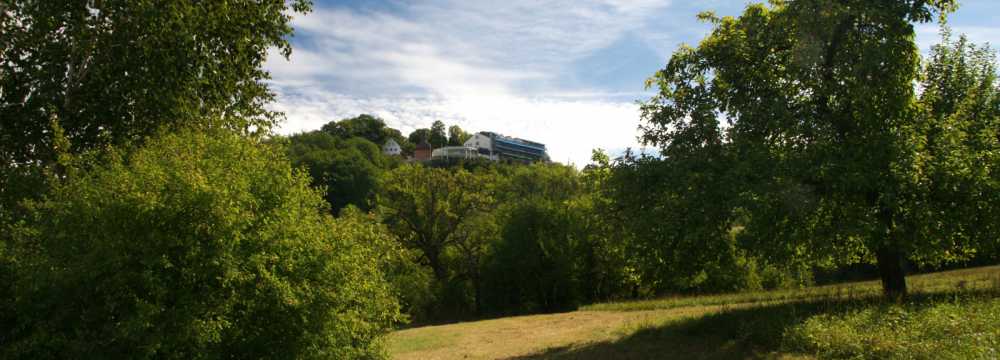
x=564, y=72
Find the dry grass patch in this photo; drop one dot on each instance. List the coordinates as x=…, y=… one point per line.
x=727, y=326
x=524, y=335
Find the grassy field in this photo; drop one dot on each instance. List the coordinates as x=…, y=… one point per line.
x=950, y=315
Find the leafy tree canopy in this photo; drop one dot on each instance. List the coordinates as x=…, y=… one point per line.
x=111, y=72
x=367, y=127
x=346, y=168
x=425, y=207
x=194, y=246
x=457, y=136
x=438, y=137
x=824, y=137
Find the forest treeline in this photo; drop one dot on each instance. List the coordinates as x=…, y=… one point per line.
x=148, y=209
x=482, y=238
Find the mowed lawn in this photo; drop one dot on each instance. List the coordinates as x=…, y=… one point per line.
x=954, y=314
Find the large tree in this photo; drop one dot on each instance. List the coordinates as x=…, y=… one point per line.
x=110, y=72
x=438, y=136
x=426, y=208
x=365, y=126
x=823, y=145
x=347, y=169
x=419, y=136
x=457, y=136
x=956, y=140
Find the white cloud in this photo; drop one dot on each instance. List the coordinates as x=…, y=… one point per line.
x=570, y=129
x=454, y=47
x=483, y=65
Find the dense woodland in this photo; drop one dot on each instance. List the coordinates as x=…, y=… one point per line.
x=147, y=207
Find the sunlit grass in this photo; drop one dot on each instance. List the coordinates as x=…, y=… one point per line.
x=949, y=315
x=966, y=327
x=968, y=279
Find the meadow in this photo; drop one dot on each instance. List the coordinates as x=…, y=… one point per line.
x=948, y=315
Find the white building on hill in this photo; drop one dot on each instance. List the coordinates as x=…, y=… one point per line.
x=391, y=147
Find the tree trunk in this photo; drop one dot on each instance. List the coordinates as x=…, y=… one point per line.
x=890, y=268
x=434, y=260
x=477, y=286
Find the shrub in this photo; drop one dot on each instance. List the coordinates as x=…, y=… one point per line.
x=193, y=246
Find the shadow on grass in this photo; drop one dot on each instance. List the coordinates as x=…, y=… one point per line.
x=439, y=321
x=755, y=332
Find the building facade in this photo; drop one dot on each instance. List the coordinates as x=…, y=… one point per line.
x=422, y=152
x=500, y=147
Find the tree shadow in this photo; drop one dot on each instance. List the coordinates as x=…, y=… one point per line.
x=755, y=332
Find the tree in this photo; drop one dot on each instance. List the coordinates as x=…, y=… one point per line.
x=425, y=207
x=674, y=216
x=457, y=136
x=365, y=126
x=610, y=271
x=420, y=136
x=474, y=243
x=196, y=245
x=438, y=136
x=113, y=72
x=550, y=182
x=822, y=145
x=536, y=266
x=557, y=247
x=957, y=142
x=347, y=169
x=412, y=283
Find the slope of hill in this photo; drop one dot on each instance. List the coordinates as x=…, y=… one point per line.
x=948, y=315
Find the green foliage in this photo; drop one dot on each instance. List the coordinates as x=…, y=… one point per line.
x=557, y=247
x=440, y=215
x=412, y=283
x=827, y=156
x=476, y=241
x=346, y=168
x=457, y=136
x=367, y=127
x=420, y=136
x=193, y=246
x=506, y=238
x=953, y=194
x=438, y=137
x=535, y=268
x=112, y=72
x=425, y=207
x=679, y=227
x=607, y=270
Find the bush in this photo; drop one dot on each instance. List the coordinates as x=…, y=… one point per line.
x=193, y=246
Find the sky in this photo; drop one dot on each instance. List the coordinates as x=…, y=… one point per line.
x=566, y=73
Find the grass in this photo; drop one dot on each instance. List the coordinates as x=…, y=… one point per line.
x=964, y=328
x=966, y=279
x=950, y=315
